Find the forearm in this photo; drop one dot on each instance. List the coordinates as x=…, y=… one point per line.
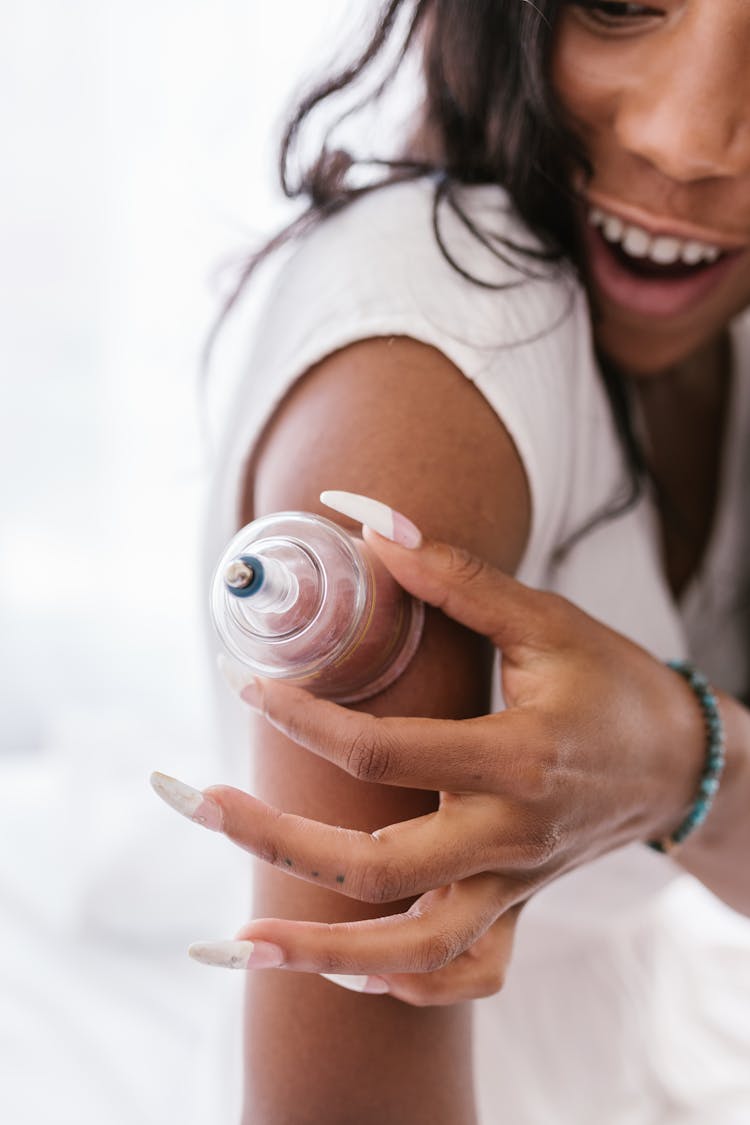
x=718, y=852
x=371, y=1059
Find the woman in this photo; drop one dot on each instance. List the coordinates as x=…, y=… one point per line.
x=530, y=344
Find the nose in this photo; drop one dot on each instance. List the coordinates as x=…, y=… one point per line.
x=689, y=114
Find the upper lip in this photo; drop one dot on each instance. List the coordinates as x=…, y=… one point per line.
x=666, y=227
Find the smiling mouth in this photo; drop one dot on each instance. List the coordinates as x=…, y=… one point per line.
x=652, y=275
x=649, y=270
x=653, y=256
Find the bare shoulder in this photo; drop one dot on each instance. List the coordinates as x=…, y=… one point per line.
x=395, y=419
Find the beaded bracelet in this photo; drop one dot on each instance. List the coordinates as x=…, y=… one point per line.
x=714, y=763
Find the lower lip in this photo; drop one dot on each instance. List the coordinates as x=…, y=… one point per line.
x=651, y=297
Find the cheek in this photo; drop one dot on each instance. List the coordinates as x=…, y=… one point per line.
x=585, y=83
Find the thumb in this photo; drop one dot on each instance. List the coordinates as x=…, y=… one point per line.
x=464, y=587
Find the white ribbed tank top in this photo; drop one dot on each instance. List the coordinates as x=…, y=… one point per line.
x=628, y=999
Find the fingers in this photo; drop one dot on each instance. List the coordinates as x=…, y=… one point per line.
x=479, y=971
x=465, y=836
x=436, y=930
x=440, y=754
x=394, y=863
x=460, y=584
x=470, y=590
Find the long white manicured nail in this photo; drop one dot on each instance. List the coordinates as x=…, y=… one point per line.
x=237, y=954
x=386, y=521
x=188, y=801
x=357, y=984
x=234, y=673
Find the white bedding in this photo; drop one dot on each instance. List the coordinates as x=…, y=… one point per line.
x=104, y=1020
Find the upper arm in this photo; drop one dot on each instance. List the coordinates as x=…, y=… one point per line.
x=395, y=420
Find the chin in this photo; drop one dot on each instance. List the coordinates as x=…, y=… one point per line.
x=641, y=354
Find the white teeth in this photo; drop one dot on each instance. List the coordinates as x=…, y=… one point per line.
x=662, y=249
x=692, y=253
x=613, y=228
x=636, y=242
x=665, y=250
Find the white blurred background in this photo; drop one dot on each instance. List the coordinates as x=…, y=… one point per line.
x=138, y=158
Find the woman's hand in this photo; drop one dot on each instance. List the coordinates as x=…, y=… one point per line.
x=600, y=745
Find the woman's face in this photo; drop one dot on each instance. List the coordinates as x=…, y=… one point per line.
x=661, y=95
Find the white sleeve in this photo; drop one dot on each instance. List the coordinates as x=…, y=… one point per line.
x=376, y=270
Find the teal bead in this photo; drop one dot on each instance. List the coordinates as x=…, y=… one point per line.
x=710, y=780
